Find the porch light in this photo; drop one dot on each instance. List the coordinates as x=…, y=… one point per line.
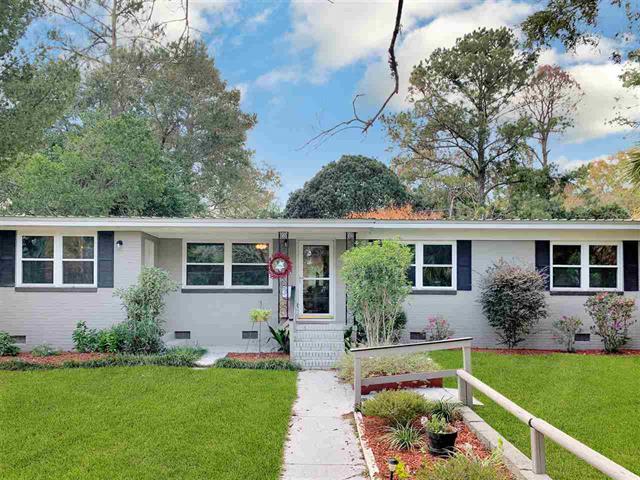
x=261, y=246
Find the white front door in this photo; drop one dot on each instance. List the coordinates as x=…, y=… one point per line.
x=315, y=280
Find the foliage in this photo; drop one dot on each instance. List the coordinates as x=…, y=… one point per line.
x=44, y=350
x=105, y=167
x=144, y=305
x=268, y=364
x=447, y=410
x=404, y=437
x=377, y=285
x=260, y=315
x=565, y=330
x=437, y=424
x=399, y=324
x=466, y=465
x=84, y=339
x=400, y=407
x=513, y=300
x=404, y=212
x=352, y=184
x=281, y=337
x=438, y=329
x=475, y=136
x=391, y=365
x=612, y=315
x=7, y=345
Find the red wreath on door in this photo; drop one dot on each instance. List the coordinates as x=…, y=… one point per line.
x=280, y=265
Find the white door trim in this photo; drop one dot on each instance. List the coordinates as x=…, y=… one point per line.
x=328, y=317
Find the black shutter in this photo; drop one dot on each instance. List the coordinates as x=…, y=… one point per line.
x=630, y=257
x=464, y=264
x=105, y=259
x=543, y=260
x=7, y=258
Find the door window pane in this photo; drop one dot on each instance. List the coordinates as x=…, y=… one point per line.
x=38, y=272
x=603, y=255
x=437, y=255
x=77, y=247
x=315, y=296
x=566, y=254
x=250, y=253
x=77, y=273
x=603, y=277
x=37, y=247
x=437, y=276
x=566, y=277
x=205, y=253
x=248, y=275
x=315, y=261
x=212, y=275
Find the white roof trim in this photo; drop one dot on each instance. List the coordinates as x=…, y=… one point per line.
x=318, y=224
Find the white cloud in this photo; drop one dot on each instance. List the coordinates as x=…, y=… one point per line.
x=203, y=15
x=252, y=23
x=566, y=164
x=244, y=92
x=290, y=74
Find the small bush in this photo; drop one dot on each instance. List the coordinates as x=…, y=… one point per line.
x=612, y=316
x=44, y=350
x=392, y=365
x=7, y=345
x=268, y=364
x=447, y=410
x=564, y=331
x=85, y=339
x=465, y=465
x=437, y=424
x=438, y=329
x=399, y=407
x=513, y=300
x=404, y=437
x=282, y=338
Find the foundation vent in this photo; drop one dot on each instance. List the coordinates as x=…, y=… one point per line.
x=19, y=338
x=182, y=334
x=417, y=336
x=249, y=334
x=583, y=337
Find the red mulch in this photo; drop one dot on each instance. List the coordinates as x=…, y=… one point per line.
x=527, y=351
x=55, y=359
x=375, y=428
x=254, y=357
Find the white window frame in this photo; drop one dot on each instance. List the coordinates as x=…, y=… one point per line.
x=585, y=266
x=332, y=281
x=228, y=265
x=420, y=264
x=414, y=264
x=57, y=260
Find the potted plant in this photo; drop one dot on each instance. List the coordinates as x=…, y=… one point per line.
x=442, y=436
x=260, y=316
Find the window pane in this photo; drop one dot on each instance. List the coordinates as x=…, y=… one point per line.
x=566, y=254
x=37, y=272
x=566, y=277
x=437, y=255
x=411, y=275
x=436, y=276
x=413, y=253
x=315, y=259
x=315, y=298
x=77, y=247
x=37, y=247
x=205, y=275
x=249, y=275
x=205, y=252
x=250, y=253
x=77, y=273
x=603, y=277
x=603, y=254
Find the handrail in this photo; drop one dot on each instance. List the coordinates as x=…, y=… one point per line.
x=541, y=429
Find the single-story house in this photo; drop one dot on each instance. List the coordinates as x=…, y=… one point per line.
x=58, y=271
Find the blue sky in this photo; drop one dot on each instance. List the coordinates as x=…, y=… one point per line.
x=300, y=63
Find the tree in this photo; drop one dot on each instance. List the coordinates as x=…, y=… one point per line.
x=550, y=100
x=105, y=167
x=462, y=99
x=352, y=184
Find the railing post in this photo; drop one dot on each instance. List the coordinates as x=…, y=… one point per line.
x=538, y=457
x=357, y=380
x=465, y=391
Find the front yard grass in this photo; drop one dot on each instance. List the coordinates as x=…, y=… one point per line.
x=144, y=423
x=595, y=399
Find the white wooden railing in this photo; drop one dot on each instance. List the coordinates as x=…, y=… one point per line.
x=540, y=429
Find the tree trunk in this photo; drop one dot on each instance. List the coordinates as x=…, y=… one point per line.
x=544, y=141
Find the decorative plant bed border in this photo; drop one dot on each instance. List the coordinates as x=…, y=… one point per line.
x=55, y=359
x=256, y=357
x=432, y=383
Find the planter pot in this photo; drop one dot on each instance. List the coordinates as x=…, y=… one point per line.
x=434, y=383
x=442, y=444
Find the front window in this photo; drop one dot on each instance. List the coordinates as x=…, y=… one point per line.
x=78, y=260
x=411, y=273
x=437, y=265
x=582, y=266
x=249, y=264
x=205, y=264
x=37, y=260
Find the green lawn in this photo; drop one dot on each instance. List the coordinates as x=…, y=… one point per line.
x=144, y=423
x=595, y=399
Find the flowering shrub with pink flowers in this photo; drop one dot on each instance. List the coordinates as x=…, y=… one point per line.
x=438, y=329
x=612, y=316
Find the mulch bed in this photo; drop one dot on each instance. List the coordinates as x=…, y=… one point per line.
x=255, y=357
x=375, y=428
x=55, y=359
x=527, y=351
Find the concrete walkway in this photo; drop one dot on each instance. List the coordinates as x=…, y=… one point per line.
x=322, y=442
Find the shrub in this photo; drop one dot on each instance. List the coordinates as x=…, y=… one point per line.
x=269, y=364
x=404, y=437
x=281, y=337
x=399, y=407
x=513, y=300
x=399, y=324
x=375, y=275
x=447, y=410
x=144, y=304
x=392, y=365
x=17, y=365
x=44, y=350
x=438, y=329
x=109, y=340
x=564, y=331
x=465, y=465
x=437, y=424
x=612, y=316
x=7, y=345
x=85, y=339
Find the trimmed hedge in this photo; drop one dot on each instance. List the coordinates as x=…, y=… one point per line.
x=269, y=364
